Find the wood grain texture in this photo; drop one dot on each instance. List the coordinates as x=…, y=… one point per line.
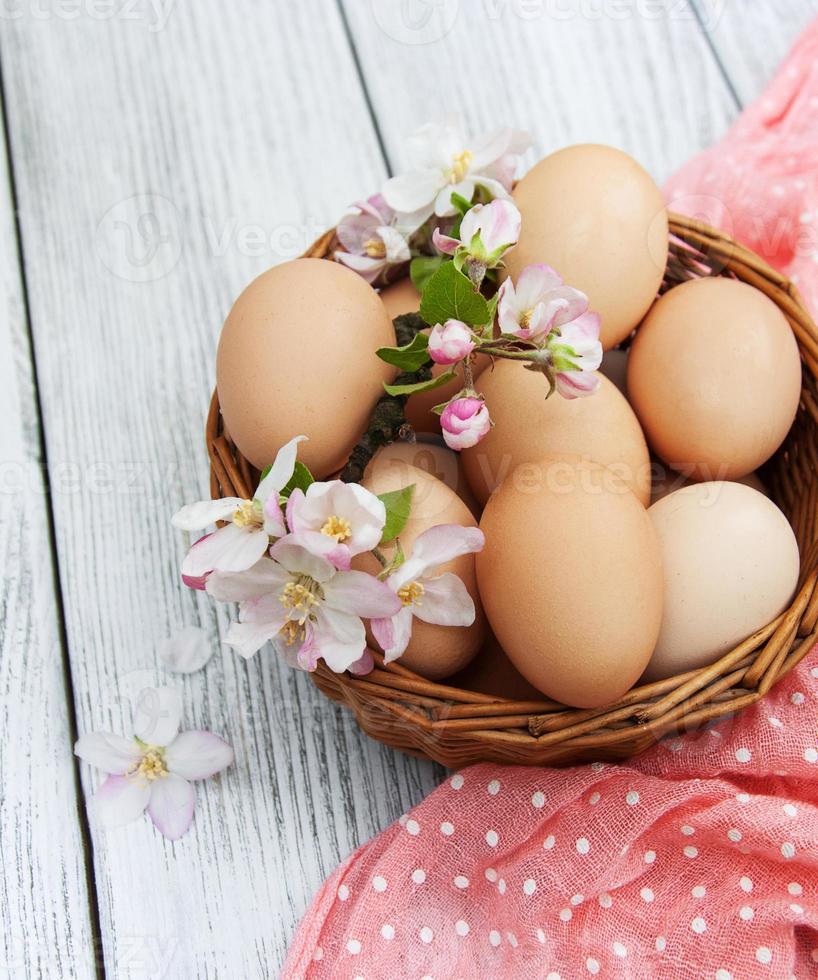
x=159, y=171
x=45, y=914
x=751, y=37
x=638, y=76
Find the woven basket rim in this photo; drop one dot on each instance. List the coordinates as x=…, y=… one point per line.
x=456, y=727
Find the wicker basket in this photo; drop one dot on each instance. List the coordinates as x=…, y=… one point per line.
x=458, y=727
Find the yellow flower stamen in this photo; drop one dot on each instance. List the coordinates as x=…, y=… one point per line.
x=300, y=596
x=338, y=528
x=293, y=632
x=375, y=248
x=152, y=764
x=460, y=166
x=248, y=514
x=411, y=594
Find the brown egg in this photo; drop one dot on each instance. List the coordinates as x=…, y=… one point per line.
x=571, y=580
x=598, y=218
x=297, y=356
x=528, y=426
x=434, y=458
x=715, y=378
x=400, y=298
x=491, y=672
x=433, y=651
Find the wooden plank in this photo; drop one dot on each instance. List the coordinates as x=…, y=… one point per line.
x=638, y=76
x=750, y=38
x=45, y=915
x=160, y=170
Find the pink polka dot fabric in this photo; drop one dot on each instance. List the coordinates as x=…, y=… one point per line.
x=699, y=859
x=760, y=183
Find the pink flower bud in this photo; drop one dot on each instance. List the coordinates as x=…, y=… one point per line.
x=464, y=422
x=450, y=342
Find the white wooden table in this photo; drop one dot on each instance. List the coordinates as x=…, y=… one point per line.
x=241, y=130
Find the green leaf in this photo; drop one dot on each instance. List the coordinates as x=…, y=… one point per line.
x=461, y=203
x=449, y=295
x=410, y=357
x=422, y=268
x=301, y=479
x=398, y=504
x=413, y=389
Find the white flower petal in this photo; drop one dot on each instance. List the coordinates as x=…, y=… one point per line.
x=297, y=559
x=339, y=638
x=157, y=714
x=188, y=650
x=360, y=594
x=230, y=549
x=366, y=266
x=171, y=805
x=444, y=542
x=274, y=525
x=412, y=191
x=445, y=602
x=195, y=517
x=397, y=249
x=494, y=187
x=264, y=578
x=111, y=753
x=248, y=638
x=197, y=755
x=534, y=283
x=121, y=799
x=443, y=202
x=393, y=634
x=280, y=471
x=490, y=147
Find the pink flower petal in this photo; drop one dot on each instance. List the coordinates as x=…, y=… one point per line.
x=360, y=594
x=264, y=578
x=248, y=638
x=195, y=517
x=445, y=243
x=230, y=549
x=157, y=714
x=111, y=753
x=534, y=283
x=444, y=542
x=172, y=800
x=339, y=638
x=363, y=666
x=446, y=602
x=121, y=799
x=397, y=637
x=576, y=384
x=197, y=755
x=188, y=650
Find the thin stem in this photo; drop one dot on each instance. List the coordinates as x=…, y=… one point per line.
x=380, y=556
x=468, y=375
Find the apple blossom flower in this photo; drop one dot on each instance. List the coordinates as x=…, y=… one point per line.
x=250, y=524
x=439, y=599
x=443, y=162
x=371, y=239
x=450, y=342
x=576, y=353
x=302, y=603
x=336, y=520
x=487, y=232
x=464, y=422
x=539, y=302
x=150, y=770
